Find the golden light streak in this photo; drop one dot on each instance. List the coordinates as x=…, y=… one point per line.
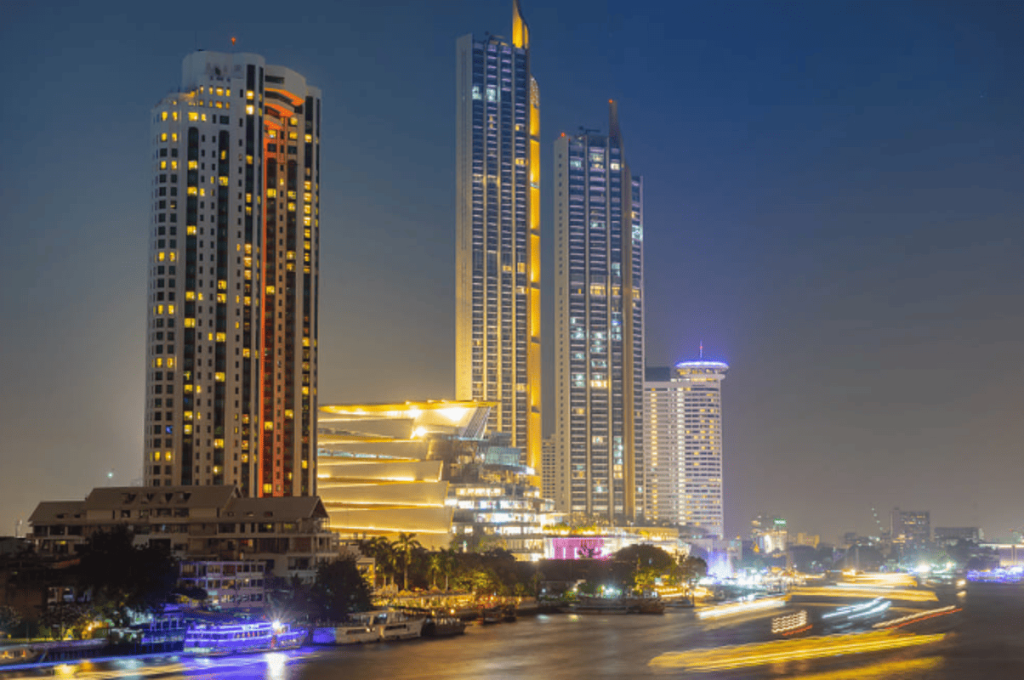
x=861, y=591
x=740, y=608
x=921, y=616
x=759, y=654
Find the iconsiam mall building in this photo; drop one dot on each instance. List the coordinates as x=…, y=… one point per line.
x=385, y=469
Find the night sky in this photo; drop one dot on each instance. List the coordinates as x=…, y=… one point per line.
x=834, y=205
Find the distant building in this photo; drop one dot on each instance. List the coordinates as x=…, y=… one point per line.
x=231, y=322
x=911, y=526
x=811, y=540
x=599, y=318
x=951, y=534
x=770, y=534
x=205, y=523
x=683, y=439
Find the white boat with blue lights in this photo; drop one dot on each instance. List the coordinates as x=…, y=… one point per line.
x=220, y=639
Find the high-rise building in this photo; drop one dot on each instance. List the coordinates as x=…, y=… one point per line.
x=911, y=526
x=231, y=334
x=549, y=466
x=599, y=334
x=497, y=336
x=683, y=435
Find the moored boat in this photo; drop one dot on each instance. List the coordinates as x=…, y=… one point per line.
x=442, y=625
x=391, y=624
x=220, y=639
x=354, y=632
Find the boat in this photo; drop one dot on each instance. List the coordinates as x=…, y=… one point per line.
x=597, y=605
x=392, y=624
x=490, y=615
x=354, y=632
x=442, y=625
x=220, y=639
x=19, y=654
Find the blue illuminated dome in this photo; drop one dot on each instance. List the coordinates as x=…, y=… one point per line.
x=704, y=365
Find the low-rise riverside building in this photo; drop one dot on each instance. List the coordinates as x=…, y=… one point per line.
x=197, y=523
x=228, y=584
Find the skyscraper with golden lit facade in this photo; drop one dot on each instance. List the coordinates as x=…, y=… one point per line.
x=231, y=333
x=497, y=351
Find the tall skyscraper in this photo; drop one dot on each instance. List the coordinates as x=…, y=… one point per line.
x=599, y=317
x=497, y=293
x=683, y=435
x=231, y=334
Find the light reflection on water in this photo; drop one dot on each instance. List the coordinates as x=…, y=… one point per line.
x=984, y=641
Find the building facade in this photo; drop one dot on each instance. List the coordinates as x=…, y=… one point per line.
x=599, y=337
x=911, y=526
x=231, y=339
x=683, y=424
x=497, y=353
x=206, y=523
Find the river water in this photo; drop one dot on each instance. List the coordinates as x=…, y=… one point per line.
x=984, y=640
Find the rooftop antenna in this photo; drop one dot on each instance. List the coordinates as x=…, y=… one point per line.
x=233, y=39
x=701, y=349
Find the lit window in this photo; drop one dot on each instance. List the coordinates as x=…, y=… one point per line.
x=163, y=137
x=250, y=109
x=192, y=115
x=163, y=115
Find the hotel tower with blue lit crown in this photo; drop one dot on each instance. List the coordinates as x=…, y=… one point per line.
x=231, y=329
x=683, y=435
x=599, y=328
x=497, y=292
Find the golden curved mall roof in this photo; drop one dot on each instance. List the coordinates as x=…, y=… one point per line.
x=406, y=409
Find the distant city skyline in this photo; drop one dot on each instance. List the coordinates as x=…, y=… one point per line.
x=838, y=218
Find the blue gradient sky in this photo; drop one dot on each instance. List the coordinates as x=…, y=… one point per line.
x=834, y=205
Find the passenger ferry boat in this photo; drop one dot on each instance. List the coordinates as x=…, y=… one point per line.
x=209, y=639
x=373, y=626
x=395, y=625
x=355, y=632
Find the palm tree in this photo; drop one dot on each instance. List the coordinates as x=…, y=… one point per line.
x=375, y=548
x=435, y=565
x=405, y=544
x=448, y=564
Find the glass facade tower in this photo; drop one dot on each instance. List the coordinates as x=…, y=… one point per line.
x=599, y=317
x=497, y=351
x=231, y=339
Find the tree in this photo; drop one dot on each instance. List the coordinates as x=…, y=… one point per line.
x=340, y=589
x=435, y=566
x=9, y=619
x=646, y=556
x=405, y=544
x=692, y=568
x=66, y=617
x=122, y=577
